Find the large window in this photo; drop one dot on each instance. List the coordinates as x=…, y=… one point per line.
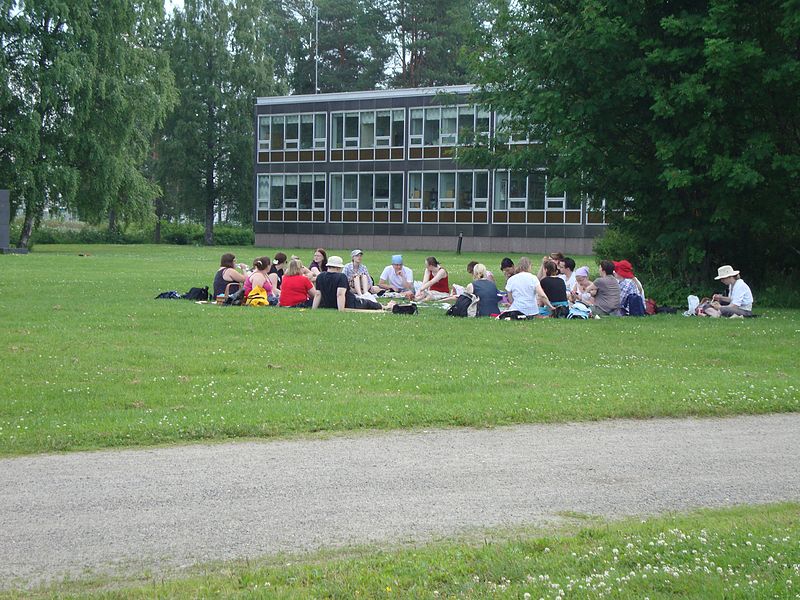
x=448, y=190
x=291, y=197
x=526, y=198
x=367, y=135
x=507, y=132
x=367, y=197
x=436, y=129
x=292, y=138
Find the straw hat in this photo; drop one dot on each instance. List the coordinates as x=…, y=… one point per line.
x=725, y=271
x=335, y=262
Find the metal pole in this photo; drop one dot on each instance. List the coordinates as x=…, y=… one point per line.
x=316, y=50
x=460, y=239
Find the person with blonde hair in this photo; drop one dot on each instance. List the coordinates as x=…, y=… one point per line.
x=524, y=290
x=296, y=289
x=486, y=291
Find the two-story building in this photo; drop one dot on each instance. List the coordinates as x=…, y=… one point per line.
x=375, y=170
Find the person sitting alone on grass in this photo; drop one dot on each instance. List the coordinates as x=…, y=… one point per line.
x=227, y=273
x=435, y=285
x=296, y=290
x=333, y=290
x=525, y=292
x=397, y=278
x=485, y=290
x=582, y=290
x=739, y=300
x=554, y=288
x=357, y=274
x=606, y=292
x=259, y=278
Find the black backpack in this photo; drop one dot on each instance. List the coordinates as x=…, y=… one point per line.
x=466, y=305
x=405, y=309
x=196, y=293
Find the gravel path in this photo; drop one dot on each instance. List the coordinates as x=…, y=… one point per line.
x=125, y=511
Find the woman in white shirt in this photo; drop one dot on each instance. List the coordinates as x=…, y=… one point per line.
x=739, y=301
x=524, y=291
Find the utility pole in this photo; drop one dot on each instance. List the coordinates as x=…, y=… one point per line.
x=316, y=49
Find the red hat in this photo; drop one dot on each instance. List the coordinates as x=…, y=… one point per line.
x=624, y=269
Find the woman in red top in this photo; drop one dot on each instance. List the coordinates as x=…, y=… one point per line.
x=296, y=288
x=435, y=285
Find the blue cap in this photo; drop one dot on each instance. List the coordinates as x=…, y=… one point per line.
x=397, y=259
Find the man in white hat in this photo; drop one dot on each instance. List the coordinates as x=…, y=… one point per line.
x=739, y=301
x=333, y=289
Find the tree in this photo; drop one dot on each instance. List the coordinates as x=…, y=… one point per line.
x=684, y=114
x=432, y=40
x=353, y=46
x=44, y=63
x=222, y=62
x=131, y=91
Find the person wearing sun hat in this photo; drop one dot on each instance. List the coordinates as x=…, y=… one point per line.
x=333, y=289
x=739, y=301
x=631, y=293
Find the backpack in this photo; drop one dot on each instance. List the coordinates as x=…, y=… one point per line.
x=196, y=293
x=560, y=312
x=579, y=311
x=235, y=299
x=171, y=295
x=257, y=297
x=634, y=306
x=466, y=305
x=405, y=309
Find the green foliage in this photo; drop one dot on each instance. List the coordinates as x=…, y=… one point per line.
x=353, y=46
x=166, y=371
x=221, y=56
x=689, y=109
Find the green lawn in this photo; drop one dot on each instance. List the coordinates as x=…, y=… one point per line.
x=733, y=553
x=91, y=360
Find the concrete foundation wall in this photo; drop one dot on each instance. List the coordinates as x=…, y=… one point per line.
x=514, y=245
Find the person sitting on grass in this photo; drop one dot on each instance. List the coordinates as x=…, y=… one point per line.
x=320, y=262
x=524, y=291
x=296, y=290
x=333, y=290
x=276, y=271
x=566, y=269
x=397, y=278
x=507, y=267
x=631, y=293
x=489, y=275
x=739, y=300
x=556, y=257
x=485, y=290
x=554, y=288
x=435, y=285
x=227, y=273
x=258, y=277
x=606, y=292
x=582, y=290
x=358, y=275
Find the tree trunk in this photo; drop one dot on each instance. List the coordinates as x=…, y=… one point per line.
x=209, y=237
x=113, y=225
x=27, y=229
x=159, y=212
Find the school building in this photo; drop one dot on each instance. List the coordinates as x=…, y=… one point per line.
x=375, y=170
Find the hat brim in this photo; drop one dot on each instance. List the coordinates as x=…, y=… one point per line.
x=731, y=274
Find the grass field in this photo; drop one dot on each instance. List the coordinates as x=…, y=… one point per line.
x=90, y=360
x=733, y=553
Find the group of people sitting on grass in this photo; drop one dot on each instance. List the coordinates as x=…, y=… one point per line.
x=557, y=289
